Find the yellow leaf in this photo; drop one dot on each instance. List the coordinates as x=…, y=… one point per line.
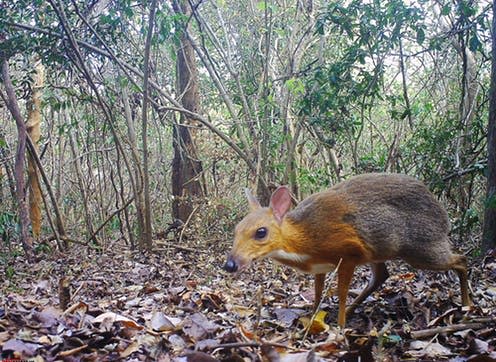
x=318, y=324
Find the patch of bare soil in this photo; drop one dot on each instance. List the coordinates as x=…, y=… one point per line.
x=178, y=304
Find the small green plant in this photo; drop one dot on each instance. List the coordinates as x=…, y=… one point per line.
x=8, y=226
x=9, y=272
x=42, y=248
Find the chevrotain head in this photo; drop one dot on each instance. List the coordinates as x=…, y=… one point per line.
x=259, y=233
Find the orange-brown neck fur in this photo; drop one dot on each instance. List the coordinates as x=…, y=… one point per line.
x=323, y=241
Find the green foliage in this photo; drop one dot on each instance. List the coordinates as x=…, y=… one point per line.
x=366, y=34
x=429, y=149
x=169, y=29
x=311, y=180
x=338, y=80
x=9, y=272
x=8, y=261
x=296, y=86
x=115, y=223
x=374, y=162
x=470, y=22
x=42, y=248
x=9, y=227
x=490, y=202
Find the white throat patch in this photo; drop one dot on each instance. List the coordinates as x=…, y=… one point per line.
x=291, y=257
x=283, y=256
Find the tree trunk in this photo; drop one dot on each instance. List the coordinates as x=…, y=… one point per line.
x=34, y=132
x=83, y=189
x=6, y=171
x=58, y=228
x=11, y=102
x=147, y=234
x=489, y=235
x=186, y=167
x=136, y=185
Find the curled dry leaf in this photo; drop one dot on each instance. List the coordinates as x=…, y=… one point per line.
x=246, y=332
x=161, y=323
x=114, y=317
x=131, y=348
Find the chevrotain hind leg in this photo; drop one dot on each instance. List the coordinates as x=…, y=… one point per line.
x=448, y=261
x=379, y=276
x=345, y=274
x=319, y=287
x=459, y=265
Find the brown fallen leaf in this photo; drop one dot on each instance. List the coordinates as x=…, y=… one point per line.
x=300, y=357
x=197, y=326
x=4, y=336
x=407, y=276
x=150, y=288
x=329, y=347
x=243, y=311
x=287, y=316
x=427, y=349
x=191, y=284
x=20, y=348
x=50, y=340
x=206, y=344
x=48, y=317
x=177, y=342
x=199, y=357
x=476, y=345
x=443, y=316
x=79, y=306
x=246, y=332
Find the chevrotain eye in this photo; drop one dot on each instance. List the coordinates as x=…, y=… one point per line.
x=260, y=233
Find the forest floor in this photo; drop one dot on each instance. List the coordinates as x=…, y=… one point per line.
x=178, y=304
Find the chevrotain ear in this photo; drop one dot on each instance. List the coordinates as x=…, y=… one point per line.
x=280, y=202
x=252, y=200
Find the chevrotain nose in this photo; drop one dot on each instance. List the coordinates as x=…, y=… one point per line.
x=230, y=266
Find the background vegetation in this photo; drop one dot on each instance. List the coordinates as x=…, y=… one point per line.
x=154, y=112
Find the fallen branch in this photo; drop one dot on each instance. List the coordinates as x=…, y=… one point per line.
x=73, y=351
x=50, y=238
x=184, y=248
x=446, y=329
x=251, y=344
